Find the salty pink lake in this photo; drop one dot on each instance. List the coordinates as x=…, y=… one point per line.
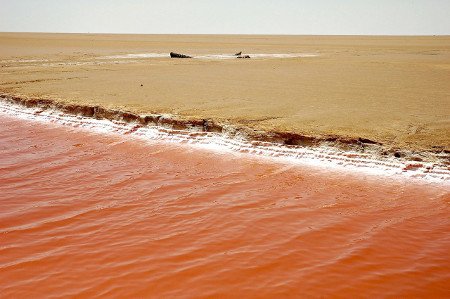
x=99, y=215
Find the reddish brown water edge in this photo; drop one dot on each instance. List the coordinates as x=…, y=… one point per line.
x=90, y=215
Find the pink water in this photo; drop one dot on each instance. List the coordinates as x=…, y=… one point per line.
x=90, y=215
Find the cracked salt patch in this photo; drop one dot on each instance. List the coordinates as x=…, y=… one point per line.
x=210, y=56
x=23, y=60
x=324, y=157
x=257, y=56
x=85, y=63
x=292, y=55
x=134, y=56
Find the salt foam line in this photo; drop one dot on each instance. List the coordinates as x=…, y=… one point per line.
x=323, y=156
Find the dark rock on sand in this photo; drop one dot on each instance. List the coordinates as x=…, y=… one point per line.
x=367, y=141
x=176, y=55
x=238, y=54
x=244, y=56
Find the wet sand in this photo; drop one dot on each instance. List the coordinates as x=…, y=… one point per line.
x=392, y=90
x=104, y=215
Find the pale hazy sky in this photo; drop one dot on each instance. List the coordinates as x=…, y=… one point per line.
x=398, y=17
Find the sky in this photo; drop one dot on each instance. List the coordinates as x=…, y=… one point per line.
x=329, y=17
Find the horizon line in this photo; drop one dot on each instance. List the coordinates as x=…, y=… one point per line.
x=243, y=34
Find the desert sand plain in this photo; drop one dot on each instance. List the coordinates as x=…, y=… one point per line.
x=392, y=90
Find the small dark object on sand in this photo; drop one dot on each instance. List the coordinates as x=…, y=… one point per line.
x=244, y=56
x=176, y=55
x=142, y=85
x=238, y=54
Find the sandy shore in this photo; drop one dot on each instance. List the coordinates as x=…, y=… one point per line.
x=392, y=90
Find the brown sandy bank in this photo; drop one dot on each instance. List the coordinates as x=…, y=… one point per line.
x=391, y=90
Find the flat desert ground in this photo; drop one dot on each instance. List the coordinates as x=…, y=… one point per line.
x=393, y=90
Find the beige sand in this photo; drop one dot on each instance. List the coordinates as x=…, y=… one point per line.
x=395, y=90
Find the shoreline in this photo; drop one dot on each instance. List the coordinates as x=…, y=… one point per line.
x=343, y=151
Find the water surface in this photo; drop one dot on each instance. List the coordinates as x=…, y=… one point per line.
x=92, y=215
